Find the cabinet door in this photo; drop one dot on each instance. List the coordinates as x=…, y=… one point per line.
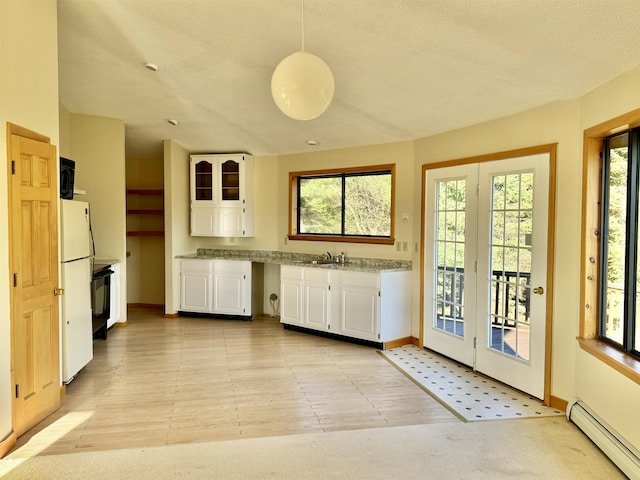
x=231, y=221
x=231, y=176
x=291, y=295
x=203, y=179
x=230, y=293
x=317, y=299
x=204, y=221
x=195, y=292
x=360, y=316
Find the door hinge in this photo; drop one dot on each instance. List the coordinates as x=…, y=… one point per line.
x=13, y=167
x=15, y=279
x=17, y=391
x=244, y=277
x=58, y=291
x=329, y=287
x=475, y=266
x=478, y=190
x=378, y=292
x=474, y=341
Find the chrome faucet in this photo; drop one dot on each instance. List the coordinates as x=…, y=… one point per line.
x=329, y=257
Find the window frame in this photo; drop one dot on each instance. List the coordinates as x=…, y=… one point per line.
x=350, y=171
x=630, y=315
x=588, y=339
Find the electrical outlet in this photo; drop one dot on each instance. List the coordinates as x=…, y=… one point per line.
x=404, y=246
x=286, y=239
x=398, y=246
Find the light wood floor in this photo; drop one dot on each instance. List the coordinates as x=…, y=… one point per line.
x=162, y=381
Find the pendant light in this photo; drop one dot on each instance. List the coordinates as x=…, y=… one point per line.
x=302, y=84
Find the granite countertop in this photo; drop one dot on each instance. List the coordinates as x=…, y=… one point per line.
x=300, y=260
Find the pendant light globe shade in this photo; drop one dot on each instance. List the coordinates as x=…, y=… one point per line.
x=302, y=86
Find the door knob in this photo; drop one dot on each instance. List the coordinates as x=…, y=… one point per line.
x=538, y=290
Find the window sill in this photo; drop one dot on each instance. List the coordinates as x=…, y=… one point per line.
x=338, y=238
x=621, y=362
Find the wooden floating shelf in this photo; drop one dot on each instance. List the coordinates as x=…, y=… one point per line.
x=145, y=191
x=145, y=212
x=147, y=233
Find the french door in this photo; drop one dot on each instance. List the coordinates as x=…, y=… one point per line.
x=485, y=267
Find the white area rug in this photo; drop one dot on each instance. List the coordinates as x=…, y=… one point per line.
x=466, y=393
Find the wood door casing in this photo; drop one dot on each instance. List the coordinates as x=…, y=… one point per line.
x=33, y=263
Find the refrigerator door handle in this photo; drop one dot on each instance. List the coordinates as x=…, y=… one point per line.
x=57, y=291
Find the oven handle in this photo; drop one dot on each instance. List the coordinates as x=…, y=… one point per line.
x=102, y=273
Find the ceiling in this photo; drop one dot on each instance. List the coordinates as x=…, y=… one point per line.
x=403, y=69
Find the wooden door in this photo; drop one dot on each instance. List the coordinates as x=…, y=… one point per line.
x=33, y=263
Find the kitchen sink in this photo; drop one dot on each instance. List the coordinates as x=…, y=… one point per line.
x=323, y=263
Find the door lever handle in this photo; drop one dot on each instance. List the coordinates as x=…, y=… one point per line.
x=538, y=290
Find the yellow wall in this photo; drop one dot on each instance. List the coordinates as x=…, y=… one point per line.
x=29, y=98
x=176, y=220
x=558, y=123
x=612, y=396
x=97, y=147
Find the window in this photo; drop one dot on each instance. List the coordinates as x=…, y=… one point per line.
x=348, y=205
x=619, y=287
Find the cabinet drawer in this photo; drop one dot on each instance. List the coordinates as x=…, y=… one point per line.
x=361, y=279
x=205, y=266
x=294, y=273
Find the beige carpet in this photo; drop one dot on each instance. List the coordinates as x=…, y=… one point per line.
x=537, y=448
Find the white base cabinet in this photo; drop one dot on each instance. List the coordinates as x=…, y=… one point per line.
x=366, y=306
x=221, y=287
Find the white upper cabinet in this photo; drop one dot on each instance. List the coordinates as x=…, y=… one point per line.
x=222, y=195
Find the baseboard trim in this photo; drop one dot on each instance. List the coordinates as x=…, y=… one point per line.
x=558, y=403
x=7, y=444
x=63, y=391
x=171, y=315
x=145, y=305
x=397, y=343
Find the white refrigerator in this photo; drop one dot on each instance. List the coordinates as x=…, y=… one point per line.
x=76, y=265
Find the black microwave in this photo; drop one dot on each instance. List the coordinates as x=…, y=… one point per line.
x=67, y=176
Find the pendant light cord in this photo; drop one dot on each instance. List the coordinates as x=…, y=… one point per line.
x=303, y=25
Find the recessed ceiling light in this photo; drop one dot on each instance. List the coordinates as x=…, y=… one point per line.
x=312, y=143
x=151, y=66
x=173, y=121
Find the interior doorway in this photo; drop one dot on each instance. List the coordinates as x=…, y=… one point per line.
x=487, y=261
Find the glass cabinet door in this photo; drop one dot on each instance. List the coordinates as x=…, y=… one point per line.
x=230, y=180
x=203, y=180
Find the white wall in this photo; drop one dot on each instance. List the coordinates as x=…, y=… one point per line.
x=29, y=98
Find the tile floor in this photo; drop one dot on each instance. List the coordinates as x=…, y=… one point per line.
x=470, y=395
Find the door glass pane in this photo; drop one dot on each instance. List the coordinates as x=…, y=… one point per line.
x=510, y=257
x=450, y=248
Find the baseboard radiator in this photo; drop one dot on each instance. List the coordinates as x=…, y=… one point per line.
x=626, y=458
